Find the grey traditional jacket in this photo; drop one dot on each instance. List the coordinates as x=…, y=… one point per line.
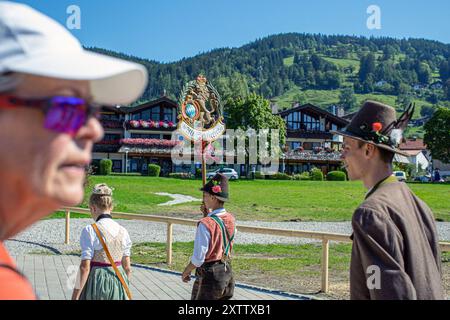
x=395, y=253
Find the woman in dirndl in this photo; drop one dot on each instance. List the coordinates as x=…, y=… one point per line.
x=98, y=279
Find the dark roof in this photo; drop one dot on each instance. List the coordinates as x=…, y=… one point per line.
x=148, y=104
x=314, y=109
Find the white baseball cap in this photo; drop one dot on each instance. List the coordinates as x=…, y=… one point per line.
x=33, y=43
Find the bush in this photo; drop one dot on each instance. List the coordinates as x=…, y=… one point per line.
x=302, y=176
x=316, y=174
x=336, y=176
x=198, y=172
x=181, y=175
x=105, y=167
x=154, y=170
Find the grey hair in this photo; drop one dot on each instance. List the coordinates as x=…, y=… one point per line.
x=10, y=81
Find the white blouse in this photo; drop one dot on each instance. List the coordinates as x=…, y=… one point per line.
x=90, y=242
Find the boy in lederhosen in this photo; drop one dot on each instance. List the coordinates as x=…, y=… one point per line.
x=212, y=246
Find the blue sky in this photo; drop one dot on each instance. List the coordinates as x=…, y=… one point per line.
x=168, y=30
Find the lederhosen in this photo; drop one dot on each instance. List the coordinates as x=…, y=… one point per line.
x=215, y=279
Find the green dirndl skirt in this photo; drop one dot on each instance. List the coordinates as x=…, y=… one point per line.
x=103, y=284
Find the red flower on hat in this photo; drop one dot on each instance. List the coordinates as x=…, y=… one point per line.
x=216, y=189
x=377, y=126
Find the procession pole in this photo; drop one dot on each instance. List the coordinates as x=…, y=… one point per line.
x=203, y=164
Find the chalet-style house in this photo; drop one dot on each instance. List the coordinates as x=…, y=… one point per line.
x=309, y=142
x=125, y=129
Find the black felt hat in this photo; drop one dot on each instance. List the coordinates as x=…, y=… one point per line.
x=376, y=123
x=217, y=186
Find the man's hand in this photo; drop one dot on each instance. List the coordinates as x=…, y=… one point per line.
x=186, y=276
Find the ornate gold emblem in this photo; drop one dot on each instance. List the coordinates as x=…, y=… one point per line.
x=200, y=111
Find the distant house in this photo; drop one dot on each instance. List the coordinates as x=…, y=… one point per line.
x=418, y=87
x=380, y=83
x=436, y=85
x=125, y=131
x=309, y=142
x=417, y=152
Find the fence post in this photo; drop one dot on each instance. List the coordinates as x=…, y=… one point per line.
x=169, y=243
x=325, y=251
x=67, y=241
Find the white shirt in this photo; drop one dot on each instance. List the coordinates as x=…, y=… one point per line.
x=90, y=242
x=202, y=239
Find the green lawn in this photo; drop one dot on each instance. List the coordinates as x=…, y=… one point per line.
x=293, y=268
x=289, y=267
x=265, y=200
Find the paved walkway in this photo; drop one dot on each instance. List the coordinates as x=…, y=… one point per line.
x=54, y=281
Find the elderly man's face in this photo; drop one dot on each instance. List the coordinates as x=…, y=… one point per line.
x=39, y=166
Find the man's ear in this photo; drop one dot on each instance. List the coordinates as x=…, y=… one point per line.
x=370, y=149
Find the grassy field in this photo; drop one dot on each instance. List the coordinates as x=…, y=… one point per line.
x=264, y=200
x=293, y=268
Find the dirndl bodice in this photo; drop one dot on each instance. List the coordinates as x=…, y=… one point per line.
x=115, y=246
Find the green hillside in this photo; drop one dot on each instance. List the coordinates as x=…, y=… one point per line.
x=318, y=67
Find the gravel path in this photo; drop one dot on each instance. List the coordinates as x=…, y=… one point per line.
x=47, y=236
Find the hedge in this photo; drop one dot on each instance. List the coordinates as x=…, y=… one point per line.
x=316, y=174
x=105, y=167
x=154, y=170
x=336, y=176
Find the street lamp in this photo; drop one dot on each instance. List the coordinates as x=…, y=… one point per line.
x=126, y=158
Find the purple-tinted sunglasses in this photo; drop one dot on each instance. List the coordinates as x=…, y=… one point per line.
x=62, y=114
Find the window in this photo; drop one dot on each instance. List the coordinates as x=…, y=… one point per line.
x=155, y=113
x=168, y=114
x=310, y=123
x=295, y=145
x=111, y=137
x=110, y=116
x=117, y=166
x=146, y=115
x=137, y=116
x=293, y=121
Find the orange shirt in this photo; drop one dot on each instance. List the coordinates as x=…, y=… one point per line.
x=13, y=286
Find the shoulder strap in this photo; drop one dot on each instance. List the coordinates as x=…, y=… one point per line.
x=225, y=235
x=111, y=261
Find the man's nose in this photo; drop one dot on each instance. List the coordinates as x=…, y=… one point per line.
x=92, y=130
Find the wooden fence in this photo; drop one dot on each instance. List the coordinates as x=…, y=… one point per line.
x=324, y=236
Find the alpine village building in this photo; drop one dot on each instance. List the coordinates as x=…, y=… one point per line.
x=142, y=135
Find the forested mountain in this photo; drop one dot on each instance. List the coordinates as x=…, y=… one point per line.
x=405, y=68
